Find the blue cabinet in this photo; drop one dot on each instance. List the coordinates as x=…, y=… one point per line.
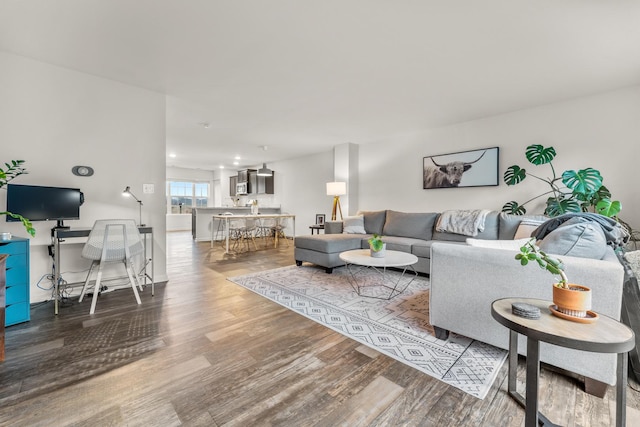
x=17, y=277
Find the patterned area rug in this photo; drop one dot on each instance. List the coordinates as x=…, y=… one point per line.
x=398, y=328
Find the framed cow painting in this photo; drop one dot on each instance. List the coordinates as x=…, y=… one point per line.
x=475, y=168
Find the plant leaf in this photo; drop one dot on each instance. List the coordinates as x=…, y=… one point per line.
x=608, y=208
x=557, y=207
x=539, y=155
x=513, y=208
x=514, y=175
x=584, y=181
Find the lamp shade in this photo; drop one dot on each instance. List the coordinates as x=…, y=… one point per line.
x=336, y=188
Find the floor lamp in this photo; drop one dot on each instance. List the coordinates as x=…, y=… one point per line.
x=127, y=192
x=336, y=189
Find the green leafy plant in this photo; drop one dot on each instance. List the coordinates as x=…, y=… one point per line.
x=530, y=252
x=376, y=242
x=12, y=171
x=582, y=191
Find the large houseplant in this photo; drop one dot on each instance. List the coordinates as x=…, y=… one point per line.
x=574, y=301
x=573, y=191
x=13, y=170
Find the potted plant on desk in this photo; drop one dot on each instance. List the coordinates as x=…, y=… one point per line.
x=377, y=246
x=13, y=170
x=572, y=302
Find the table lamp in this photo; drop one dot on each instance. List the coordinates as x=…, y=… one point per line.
x=336, y=189
x=127, y=192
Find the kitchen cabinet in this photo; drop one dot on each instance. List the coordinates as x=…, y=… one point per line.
x=265, y=184
x=233, y=181
x=260, y=184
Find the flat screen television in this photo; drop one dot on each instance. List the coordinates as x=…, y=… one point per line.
x=38, y=203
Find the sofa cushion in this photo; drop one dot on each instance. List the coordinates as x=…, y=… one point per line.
x=511, y=245
x=490, y=231
x=329, y=243
x=373, y=221
x=396, y=243
x=576, y=238
x=509, y=224
x=413, y=225
x=353, y=225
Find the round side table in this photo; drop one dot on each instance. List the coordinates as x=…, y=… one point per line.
x=606, y=335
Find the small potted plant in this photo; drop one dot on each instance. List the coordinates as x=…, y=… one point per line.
x=574, y=301
x=377, y=246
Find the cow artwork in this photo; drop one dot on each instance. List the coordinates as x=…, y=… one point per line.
x=449, y=174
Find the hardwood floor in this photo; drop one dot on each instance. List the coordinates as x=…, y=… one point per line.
x=204, y=351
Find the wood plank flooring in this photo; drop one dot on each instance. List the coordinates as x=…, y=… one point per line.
x=206, y=352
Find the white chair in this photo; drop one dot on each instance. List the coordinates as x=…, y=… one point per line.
x=265, y=229
x=279, y=229
x=112, y=240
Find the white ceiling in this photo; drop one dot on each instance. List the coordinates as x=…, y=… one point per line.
x=301, y=76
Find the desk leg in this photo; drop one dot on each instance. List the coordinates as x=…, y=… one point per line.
x=153, y=267
x=56, y=276
x=621, y=390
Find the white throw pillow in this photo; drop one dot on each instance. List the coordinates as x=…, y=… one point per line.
x=526, y=227
x=511, y=245
x=353, y=225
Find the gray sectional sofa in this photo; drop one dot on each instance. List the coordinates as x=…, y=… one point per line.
x=466, y=279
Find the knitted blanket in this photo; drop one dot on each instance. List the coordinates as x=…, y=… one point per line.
x=465, y=222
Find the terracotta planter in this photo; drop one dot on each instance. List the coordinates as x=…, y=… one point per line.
x=380, y=253
x=573, y=302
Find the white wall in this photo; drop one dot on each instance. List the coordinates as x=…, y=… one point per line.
x=55, y=118
x=300, y=188
x=601, y=131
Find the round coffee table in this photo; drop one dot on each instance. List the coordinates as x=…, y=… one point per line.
x=369, y=276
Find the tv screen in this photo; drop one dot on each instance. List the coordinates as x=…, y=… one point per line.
x=38, y=203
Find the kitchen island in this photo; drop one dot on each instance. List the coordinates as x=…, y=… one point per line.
x=202, y=219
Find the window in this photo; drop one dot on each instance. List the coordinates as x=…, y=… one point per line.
x=185, y=195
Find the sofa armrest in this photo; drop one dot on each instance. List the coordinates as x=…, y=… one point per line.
x=333, y=227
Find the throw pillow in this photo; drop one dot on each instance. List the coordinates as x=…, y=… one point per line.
x=526, y=227
x=633, y=258
x=579, y=239
x=511, y=245
x=353, y=225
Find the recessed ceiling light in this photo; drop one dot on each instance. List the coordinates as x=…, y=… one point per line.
x=236, y=163
x=205, y=125
x=237, y=157
x=221, y=167
x=172, y=155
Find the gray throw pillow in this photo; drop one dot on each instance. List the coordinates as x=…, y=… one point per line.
x=578, y=239
x=373, y=221
x=414, y=225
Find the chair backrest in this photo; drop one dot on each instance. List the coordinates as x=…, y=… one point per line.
x=283, y=222
x=113, y=240
x=236, y=223
x=267, y=222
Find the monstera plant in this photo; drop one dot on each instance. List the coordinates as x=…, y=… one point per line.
x=13, y=170
x=573, y=191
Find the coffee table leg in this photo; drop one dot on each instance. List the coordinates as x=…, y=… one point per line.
x=513, y=363
x=533, y=373
x=621, y=390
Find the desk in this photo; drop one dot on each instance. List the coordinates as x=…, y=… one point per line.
x=227, y=218
x=58, y=234
x=606, y=335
